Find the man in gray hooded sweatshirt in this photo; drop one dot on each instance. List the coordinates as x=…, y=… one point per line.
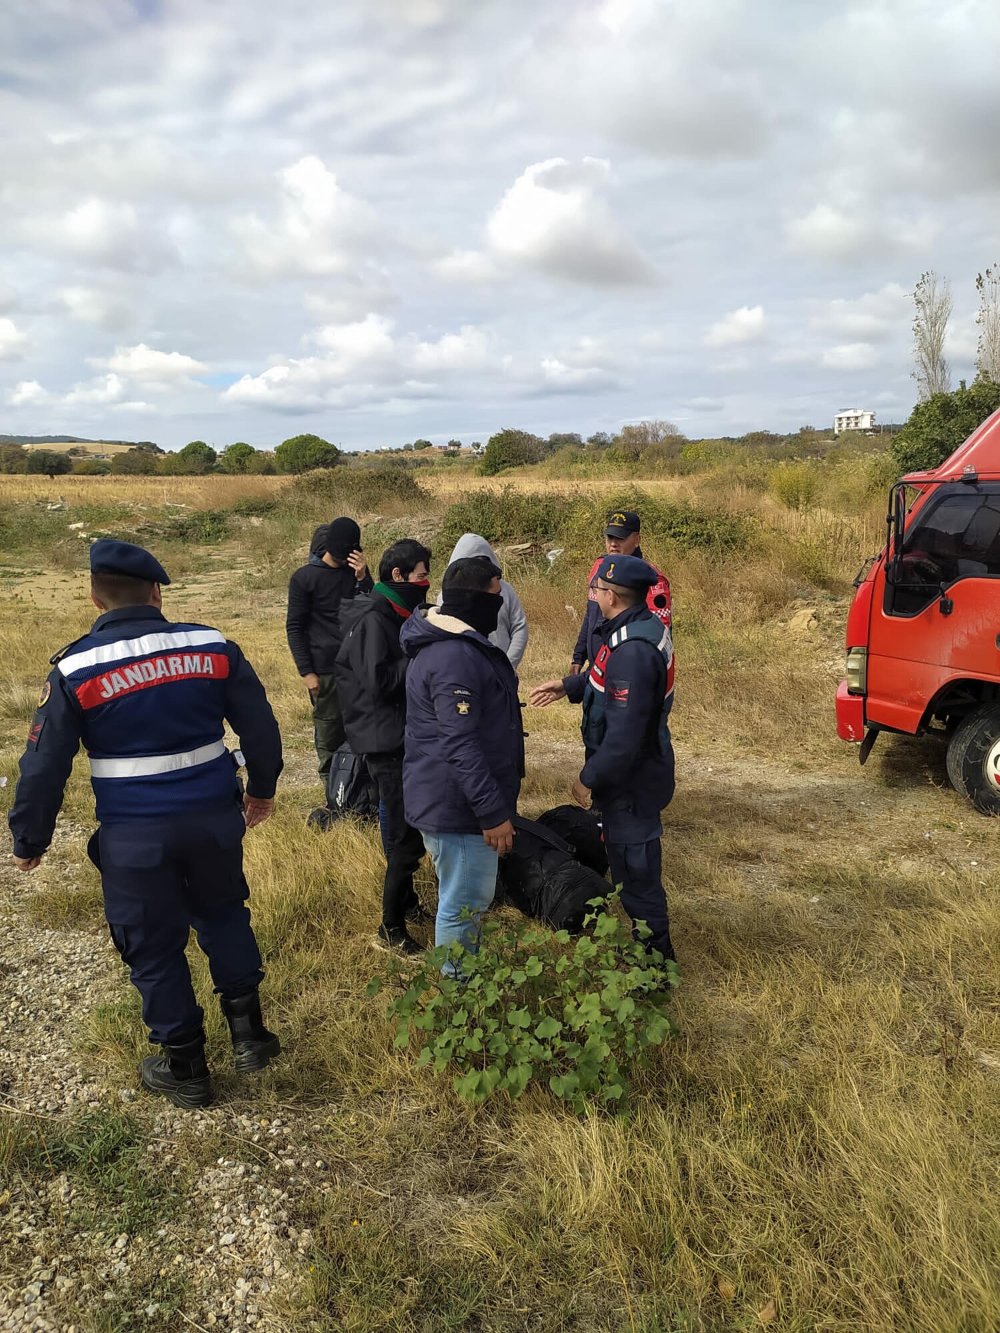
x=511, y=633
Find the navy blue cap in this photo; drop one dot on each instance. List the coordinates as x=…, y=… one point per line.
x=111, y=557
x=626, y=571
x=621, y=523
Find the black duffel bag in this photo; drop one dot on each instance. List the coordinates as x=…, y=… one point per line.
x=542, y=878
x=582, y=830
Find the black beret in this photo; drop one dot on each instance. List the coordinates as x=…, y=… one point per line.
x=626, y=571
x=111, y=557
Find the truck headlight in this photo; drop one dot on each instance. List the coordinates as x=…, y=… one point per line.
x=857, y=670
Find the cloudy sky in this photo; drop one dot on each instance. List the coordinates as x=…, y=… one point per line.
x=383, y=219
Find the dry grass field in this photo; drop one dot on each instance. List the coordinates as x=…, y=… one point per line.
x=817, y=1152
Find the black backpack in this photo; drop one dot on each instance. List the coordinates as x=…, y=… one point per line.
x=582, y=830
x=543, y=879
x=350, y=789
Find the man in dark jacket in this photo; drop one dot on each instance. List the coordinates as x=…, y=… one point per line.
x=148, y=698
x=371, y=686
x=621, y=537
x=336, y=572
x=464, y=748
x=629, y=770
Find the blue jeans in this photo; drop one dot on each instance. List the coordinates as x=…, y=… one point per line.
x=466, y=869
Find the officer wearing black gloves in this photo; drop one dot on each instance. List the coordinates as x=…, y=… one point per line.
x=629, y=770
x=148, y=699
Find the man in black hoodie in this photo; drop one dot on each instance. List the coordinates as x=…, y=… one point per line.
x=336, y=572
x=370, y=671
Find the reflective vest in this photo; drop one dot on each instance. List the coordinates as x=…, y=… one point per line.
x=648, y=630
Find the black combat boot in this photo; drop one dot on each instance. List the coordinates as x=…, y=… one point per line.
x=253, y=1046
x=180, y=1074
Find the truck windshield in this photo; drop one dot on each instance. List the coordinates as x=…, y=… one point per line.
x=956, y=536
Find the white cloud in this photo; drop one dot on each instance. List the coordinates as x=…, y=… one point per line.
x=133, y=405
x=107, y=234
x=319, y=228
x=830, y=233
x=104, y=389
x=739, y=326
x=871, y=317
x=465, y=350
x=472, y=266
x=702, y=404
x=361, y=361
x=152, y=367
x=561, y=378
x=28, y=393
x=12, y=341
x=555, y=218
x=634, y=71
x=856, y=232
x=850, y=356
x=95, y=305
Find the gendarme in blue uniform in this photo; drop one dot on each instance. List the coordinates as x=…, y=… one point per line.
x=627, y=695
x=148, y=699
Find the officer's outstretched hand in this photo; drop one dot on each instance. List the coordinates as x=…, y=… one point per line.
x=500, y=838
x=27, y=862
x=543, y=695
x=256, y=810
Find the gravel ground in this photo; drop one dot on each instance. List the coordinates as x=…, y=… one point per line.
x=231, y=1242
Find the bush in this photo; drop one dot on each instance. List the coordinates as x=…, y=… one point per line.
x=48, y=462
x=134, y=463
x=363, y=488
x=534, y=1007
x=508, y=516
x=938, y=426
x=578, y=522
x=200, y=527
x=91, y=467
x=795, y=485
x=670, y=522
x=509, y=449
x=303, y=453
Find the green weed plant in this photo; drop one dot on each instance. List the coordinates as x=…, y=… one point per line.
x=538, y=1007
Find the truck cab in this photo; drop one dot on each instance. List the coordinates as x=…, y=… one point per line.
x=923, y=630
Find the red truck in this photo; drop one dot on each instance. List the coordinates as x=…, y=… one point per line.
x=923, y=631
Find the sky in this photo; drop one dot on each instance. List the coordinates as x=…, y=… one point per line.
x=381, y=220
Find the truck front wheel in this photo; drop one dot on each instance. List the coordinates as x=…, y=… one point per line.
x=974, y=759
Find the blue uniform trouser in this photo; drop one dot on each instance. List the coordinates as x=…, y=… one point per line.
x=634, y=854
x=161, y=879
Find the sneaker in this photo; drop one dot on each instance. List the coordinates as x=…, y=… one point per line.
x=417, y=914
x=397, y=939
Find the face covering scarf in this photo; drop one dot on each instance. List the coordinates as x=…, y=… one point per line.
x=481, y=610
x=405, y=597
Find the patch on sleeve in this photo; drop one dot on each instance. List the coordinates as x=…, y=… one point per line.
x=459, y=691
x=43, y=698
x=619, y=695
x=463, y=707
x=35, y=732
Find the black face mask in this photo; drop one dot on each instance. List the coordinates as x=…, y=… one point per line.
x=481, y=610
x=411, y=595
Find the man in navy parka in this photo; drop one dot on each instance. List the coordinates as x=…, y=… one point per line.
x=464, y=745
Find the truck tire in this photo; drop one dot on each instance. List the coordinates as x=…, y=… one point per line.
x=974, y=759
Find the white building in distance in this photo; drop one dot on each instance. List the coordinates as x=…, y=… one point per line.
x=853, y=418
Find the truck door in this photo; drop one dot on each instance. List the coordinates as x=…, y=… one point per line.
x=938, y=616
